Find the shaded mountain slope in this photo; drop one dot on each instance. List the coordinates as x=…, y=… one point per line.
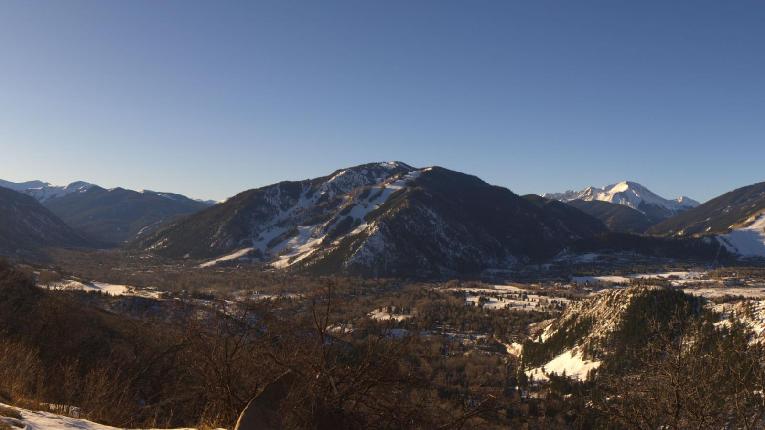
x=383, y=219
x=619, y=218
x=26, y=227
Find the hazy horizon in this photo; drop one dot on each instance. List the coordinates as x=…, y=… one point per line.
x=329, y=172
x=210, y=99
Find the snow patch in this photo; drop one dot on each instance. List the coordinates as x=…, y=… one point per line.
x=570, y=363
x=37, y=420
x=383, y=315
x=233, y=256
x=748, y=241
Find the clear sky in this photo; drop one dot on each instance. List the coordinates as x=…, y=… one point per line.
x=212, y=98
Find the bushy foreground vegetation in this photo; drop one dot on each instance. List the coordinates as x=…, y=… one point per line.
x=200, y=360
x=201, y=364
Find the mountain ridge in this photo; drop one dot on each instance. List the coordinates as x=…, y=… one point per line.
x=380, y=219
x=26, y=227
x=108, y=216
x=631, y=194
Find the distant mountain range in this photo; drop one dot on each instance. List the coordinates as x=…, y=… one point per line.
x=108, y=216
x=43, y=191
x=385, y=219
x=630, y=194
x=626, y=206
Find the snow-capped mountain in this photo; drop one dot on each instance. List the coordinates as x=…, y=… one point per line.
x=629, y=194
x=44, y=191
x=385, y=219
x=626, y=193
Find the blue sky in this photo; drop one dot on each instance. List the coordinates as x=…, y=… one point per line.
x=212, y=98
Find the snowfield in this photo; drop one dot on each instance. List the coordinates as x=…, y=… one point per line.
x=283, y=246
x=233, y=256
x=712, y=293
x=625, y=193
x=748, y=241
x=103, y=287
x=383, y=315
x=37, y=420
x=570, y=363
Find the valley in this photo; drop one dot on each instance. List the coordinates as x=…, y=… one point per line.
x=406, y=215
x=384, y=293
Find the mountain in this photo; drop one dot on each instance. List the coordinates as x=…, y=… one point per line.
x=630, y=194
x=618, y=218
x=736, y=217
x=109, y=216
x=43, y=191
x=567, y=212
x=118, y=215
x=26, y=226
x=378, y=219
x=605, y=329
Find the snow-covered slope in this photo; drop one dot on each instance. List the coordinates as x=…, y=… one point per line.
x=751, y=313
x=629, y=194
x=590, y=331
x=570, y=363
x=747, y=240
x=378, y=219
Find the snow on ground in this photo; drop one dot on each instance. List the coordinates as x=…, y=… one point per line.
x=112, y=289
x=711, y=293
x=310, y=238
x=293, y=247
x=515, y=349
x=233, y=256
x=750, y=312
x=625, y=193
x=747, y=241
x=103, y=287
x=297, y=248
x=676, y=278
x=509, y=297
x=257, y=296
x=36, y=420
x=379, y=195
x=383, y=315
x=682, y=275
x=600, y=280
x=571, y=363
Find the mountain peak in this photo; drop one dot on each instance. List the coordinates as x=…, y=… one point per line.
x=628, y=193
x=377, y=219
x=44, y=191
